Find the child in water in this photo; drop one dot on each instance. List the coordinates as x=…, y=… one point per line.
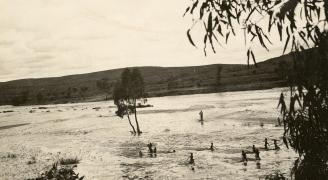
x=191, y=159
x=276, y=147
x=201, y=115
x=254, y=149
x=266, y=144
x=150, y=148
x=243, y=156
x=140, y=154
x=212, y=147
x=257, y=154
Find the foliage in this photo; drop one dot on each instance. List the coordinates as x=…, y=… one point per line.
x=275, y=176
x=126, y=93
x=306, y=119
x=104, y=86
x=257, y=20
x=60, y=173
x=20, y=99
x=300, y=24
x=83, y=90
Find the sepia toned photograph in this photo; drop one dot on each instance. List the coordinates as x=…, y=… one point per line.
x=163, y=90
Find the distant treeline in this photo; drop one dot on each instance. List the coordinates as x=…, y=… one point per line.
x=159, y=81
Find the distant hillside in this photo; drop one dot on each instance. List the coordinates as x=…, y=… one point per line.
x=160, y=81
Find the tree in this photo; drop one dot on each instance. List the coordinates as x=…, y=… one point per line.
x=20, y=99
x=122, y=104
x=137, y=92
x=83, y=90
x=68, y=93
x=301, y=25
x=104, y=86
x=126, y=93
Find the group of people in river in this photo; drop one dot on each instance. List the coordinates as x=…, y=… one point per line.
x=256, y=151
x=266, y=144
x=153, y=151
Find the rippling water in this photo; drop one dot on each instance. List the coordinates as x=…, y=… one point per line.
x=108, y=151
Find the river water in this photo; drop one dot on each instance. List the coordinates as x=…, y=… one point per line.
x=233, y=121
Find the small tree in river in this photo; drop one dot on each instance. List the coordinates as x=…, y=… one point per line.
x=126, y=93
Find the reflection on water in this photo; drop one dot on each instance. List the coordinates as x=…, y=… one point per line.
x=232, y=121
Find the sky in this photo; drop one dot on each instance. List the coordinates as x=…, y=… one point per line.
x=47, y=38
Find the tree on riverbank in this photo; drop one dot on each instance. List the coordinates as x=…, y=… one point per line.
x=127, y=92
x=104, y=86
x=21, y=99
x=299, y=25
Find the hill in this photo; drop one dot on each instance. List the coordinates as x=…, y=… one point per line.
x=159, y=81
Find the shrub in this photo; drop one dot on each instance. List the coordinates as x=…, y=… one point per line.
x=275, y=176
x=59, y=173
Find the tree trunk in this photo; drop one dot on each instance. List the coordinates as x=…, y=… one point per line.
x=135, y=117
x=134, y=130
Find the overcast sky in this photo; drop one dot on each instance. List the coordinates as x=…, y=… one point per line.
x=43, y=38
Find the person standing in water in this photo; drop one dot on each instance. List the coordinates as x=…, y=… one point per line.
x=276, y=147
x=282, y=103
x=150, y=148
x=212, y=147
x=201, y=115
x=191, y=159
x=140, y=154
x=257, y=154
x=266, y=144
x=243, y=156
x=254, y=148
